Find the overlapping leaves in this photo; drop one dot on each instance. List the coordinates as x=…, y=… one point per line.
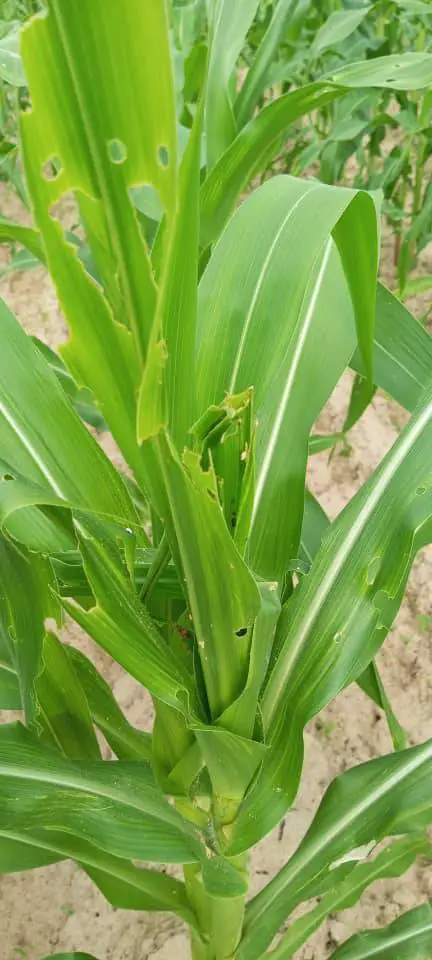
x=287, y=291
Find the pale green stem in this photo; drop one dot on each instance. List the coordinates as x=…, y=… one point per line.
x=220, y=918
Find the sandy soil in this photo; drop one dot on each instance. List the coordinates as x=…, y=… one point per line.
x=57, y=908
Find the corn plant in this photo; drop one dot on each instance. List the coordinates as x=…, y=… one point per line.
x=208, y=345
x=319, y=37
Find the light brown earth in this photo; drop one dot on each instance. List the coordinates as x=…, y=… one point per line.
x=57, y=908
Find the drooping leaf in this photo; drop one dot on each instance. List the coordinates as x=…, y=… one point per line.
x=30, y=395
x=16, y=855
x=124, y=885
x=30, y=513
x=284, y=230
x=407, y=938
x=381, y=574
x=409, y=71
x=315, y=526
x=378, y=799
x=116, y=806
x=391, y=862
x=126, y=741
x=341, y=613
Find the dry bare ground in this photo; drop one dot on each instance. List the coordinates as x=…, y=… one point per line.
x=57, y=908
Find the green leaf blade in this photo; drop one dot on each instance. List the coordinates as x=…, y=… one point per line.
x=115, y=806
x=241, y=289
x=353, y=812
x=30, y=395
x=391, y=862
x=408, y=938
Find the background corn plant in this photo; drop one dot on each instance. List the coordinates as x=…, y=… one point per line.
x=378, y=138
x=207, y=338
x=374, y=138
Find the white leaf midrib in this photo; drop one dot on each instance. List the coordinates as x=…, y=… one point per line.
x=353, y=814
x=259, y=285
x=394, y=941
x=26, y=442
x=294, y=366
x=76, y=783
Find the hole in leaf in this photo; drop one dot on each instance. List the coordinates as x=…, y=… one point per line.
x=163, y=156
x=52, y=169
x=242, y=632
x=117, y=151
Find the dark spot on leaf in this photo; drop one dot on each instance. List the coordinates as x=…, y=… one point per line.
x=242, y=632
